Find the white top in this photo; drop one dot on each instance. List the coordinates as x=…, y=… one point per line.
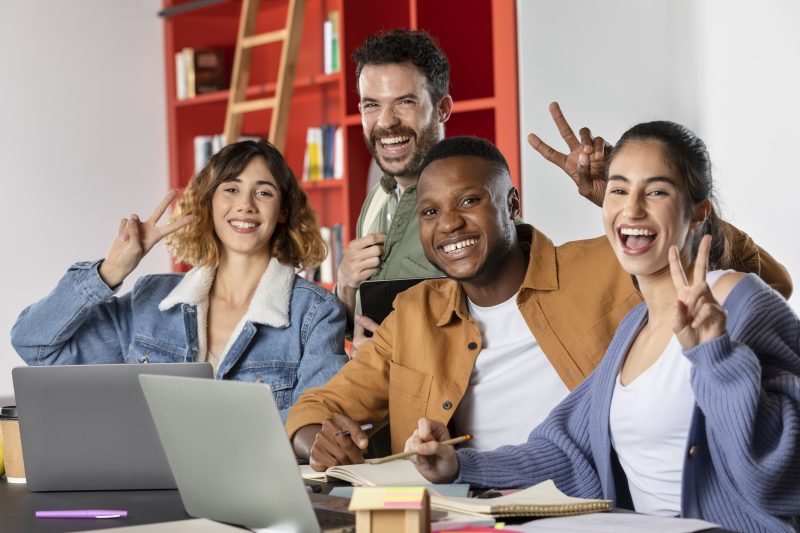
x=649, y=425
x=513, y=387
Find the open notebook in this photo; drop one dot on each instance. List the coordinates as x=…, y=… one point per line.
x=400, y=473
x=543, y=499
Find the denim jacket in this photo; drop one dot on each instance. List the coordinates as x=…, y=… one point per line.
x=291, y=336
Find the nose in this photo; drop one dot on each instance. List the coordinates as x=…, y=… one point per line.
x=450, y=220
x=246, y=204
x=634, y=206
x=388, y=118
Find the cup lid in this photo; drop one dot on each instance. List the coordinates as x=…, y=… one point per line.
x=9, y=411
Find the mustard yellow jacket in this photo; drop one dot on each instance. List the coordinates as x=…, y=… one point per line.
x=419, y=362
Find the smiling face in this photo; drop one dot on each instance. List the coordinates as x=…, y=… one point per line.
x=646, y=209
x=466, y=218
x=246, y=210
x=400, y=121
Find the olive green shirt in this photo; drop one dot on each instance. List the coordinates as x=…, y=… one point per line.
x=403, y=256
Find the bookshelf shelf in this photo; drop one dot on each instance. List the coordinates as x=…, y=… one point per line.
x=480, y=44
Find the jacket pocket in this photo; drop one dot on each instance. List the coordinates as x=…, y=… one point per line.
x=409, y=388
x=281, y=376
x=147, y=350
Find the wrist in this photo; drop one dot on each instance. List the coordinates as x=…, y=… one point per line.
x=111, y=276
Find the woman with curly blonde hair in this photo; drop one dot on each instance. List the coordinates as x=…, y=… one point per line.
x=245, y=226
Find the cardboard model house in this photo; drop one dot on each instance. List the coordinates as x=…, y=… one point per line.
x=391, y=510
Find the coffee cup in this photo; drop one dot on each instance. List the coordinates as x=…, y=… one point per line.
x=12, y=445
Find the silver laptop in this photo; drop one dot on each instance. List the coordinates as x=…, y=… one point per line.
x=87, y=427
x=231, y=457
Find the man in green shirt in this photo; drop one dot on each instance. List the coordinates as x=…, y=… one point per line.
x=403, y=83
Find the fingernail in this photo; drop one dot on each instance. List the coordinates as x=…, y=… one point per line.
x=582, y=159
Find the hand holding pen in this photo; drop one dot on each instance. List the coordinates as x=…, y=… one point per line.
x=340, y=441
x=435, y=458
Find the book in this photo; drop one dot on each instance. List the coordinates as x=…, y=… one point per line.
x=543, y=499
x=399, y=473
x=199, y=72
x=330, y=43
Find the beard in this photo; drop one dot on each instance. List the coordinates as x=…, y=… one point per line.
x=424, y=141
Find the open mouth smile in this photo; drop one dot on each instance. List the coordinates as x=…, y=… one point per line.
x=453, y=248
x=636, y=241
x=243, y=226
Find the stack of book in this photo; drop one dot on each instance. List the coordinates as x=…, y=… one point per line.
x=199, y=72
x=324, y=156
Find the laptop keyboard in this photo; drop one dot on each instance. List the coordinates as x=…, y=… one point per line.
x=334, y=519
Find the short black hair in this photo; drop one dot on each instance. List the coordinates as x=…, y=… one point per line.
x=401, y=46
x=466, y=146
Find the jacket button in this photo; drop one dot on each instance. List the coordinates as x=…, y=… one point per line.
x=447, y=405
x=472, y=345
x=693, y=449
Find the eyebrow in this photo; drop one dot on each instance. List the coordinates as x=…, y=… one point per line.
x=258, y=182
x=654, y=179
x=401, y=97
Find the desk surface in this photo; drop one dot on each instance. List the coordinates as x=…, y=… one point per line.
x=17, y=508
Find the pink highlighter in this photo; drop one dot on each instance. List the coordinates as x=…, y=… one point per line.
x=82, y=513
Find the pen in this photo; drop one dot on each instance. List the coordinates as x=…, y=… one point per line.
x=364, y=427
x=403, y=455
x=82, y=513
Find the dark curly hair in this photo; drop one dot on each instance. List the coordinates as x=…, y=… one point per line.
x=414, y=46
x=296, y=242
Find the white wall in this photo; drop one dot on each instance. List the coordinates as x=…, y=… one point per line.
x=82, y=140
x=725, y=68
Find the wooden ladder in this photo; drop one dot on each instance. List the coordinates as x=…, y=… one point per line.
x=245, y=42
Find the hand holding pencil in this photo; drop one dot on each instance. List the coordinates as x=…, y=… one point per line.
x=433, y=450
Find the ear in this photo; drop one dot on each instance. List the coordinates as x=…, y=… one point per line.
x=513, y=203
x=445, y=108
x=701, y=212
x=283, y=217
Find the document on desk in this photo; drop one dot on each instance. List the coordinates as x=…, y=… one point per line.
x=614, y=523
x=197, y=525
x=400, y=473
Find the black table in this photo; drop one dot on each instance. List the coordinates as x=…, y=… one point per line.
x=18, y=505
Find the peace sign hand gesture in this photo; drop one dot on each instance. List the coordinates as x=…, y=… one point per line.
x=698, y=317
x=134, y=239
x=587, y=159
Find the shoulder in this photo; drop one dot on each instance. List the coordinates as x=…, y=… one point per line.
x=309, y=291
x=439, y=289
x=725, y=284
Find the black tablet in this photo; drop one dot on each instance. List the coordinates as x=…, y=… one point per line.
x=378, y=295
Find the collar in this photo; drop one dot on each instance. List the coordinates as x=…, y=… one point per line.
x=270, y=303
x=542, y=273
x=389, y=184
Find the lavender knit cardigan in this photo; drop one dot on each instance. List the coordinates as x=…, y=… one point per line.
x=743, y=471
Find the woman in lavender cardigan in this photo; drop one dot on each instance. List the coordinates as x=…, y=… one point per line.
x=695, y=410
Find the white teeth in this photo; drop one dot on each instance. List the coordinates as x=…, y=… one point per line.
x=633, y=231
x=448, y=248
x=394, y=140
x=243, y=225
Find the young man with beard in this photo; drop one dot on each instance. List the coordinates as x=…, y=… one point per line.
x=403, y=80
x=492, y=349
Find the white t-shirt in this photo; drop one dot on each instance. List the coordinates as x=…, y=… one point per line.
x=513, y=387
x=649, y=424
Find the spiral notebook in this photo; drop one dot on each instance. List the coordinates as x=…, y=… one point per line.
x=543, y=499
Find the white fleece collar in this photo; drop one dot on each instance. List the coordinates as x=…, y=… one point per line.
x=270, y=303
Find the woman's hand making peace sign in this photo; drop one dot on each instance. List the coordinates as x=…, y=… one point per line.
x=698, y=316
x=134, y=239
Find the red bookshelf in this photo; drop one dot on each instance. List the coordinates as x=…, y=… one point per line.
x=478, y=36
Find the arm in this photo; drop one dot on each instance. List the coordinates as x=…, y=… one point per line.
x=323, y=348
x=558, y=449
x=80, y=321
x=747, y=383
x=360, y=390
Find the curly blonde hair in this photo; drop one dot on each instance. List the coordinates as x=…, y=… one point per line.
x=296, y=242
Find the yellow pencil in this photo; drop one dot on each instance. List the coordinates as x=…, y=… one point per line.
x=403, y=455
